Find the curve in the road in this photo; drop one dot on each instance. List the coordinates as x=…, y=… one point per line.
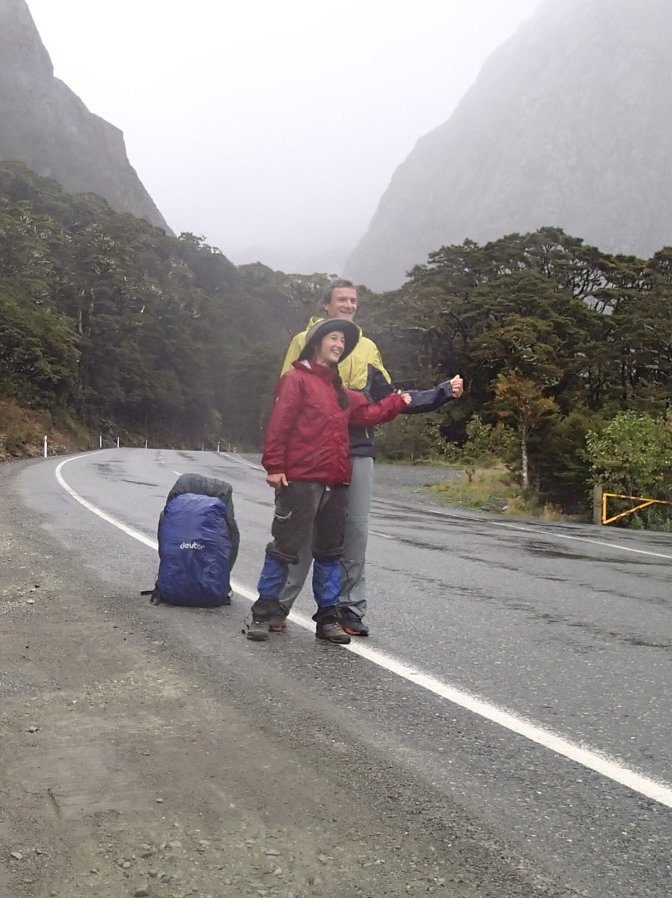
x=586, y=757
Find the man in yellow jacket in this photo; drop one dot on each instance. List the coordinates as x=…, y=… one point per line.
x=362, y=370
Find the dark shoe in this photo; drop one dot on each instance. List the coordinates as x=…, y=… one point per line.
x=257, y=630
x=332, y=631
x=278, y=625
x=353, y=624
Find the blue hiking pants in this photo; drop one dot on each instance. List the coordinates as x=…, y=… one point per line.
x=305, y=513
x=353, y=570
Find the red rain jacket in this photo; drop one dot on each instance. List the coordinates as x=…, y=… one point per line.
x=307, y=435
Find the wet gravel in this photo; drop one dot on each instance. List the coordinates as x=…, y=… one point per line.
x=410, y=483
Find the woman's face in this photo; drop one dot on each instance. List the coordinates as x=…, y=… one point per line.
x=330, y=349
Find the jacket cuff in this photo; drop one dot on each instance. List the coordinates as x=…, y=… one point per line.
x=271, y=468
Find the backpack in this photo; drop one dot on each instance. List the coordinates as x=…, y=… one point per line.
x=198, y=544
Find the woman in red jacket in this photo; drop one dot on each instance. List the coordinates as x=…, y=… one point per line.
x=307, y=460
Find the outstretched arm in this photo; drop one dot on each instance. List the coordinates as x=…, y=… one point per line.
x=365, y=413
x=379, y=386
x=430, y=400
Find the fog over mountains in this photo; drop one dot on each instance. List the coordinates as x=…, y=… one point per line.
x=568, y=124
x=46, y=126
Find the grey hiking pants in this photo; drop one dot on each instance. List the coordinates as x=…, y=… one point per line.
x=353, y=576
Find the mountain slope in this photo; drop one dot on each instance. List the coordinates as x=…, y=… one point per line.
x=46, y=126
x=568, y=124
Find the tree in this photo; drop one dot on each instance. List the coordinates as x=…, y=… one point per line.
x=590, y=330
x=38, y=354
x=520, y=400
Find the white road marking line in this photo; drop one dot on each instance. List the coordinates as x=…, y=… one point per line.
x=582, y=539
x=590, y=758
x=601, y=763
x=242, y=461
x=130, y=531
x=381, y=535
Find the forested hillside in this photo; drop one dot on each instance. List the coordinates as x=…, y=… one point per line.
x=107, y=319
x=45, y=124
x=555, y=340
x=109, y=325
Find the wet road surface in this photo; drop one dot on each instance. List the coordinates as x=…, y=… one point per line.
x=522, y=671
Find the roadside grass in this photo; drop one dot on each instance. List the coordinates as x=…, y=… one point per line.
x=492, y=489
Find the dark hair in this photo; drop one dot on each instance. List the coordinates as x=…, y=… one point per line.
x=334, y=285
x=340, y=390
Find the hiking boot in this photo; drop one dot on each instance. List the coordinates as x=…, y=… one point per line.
x=353, y=624
x=332, y=631
x=258, y=630
x=278, y=625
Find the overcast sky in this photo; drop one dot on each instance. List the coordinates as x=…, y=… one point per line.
x=272, y=127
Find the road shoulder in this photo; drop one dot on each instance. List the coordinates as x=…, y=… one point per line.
x=128, y=772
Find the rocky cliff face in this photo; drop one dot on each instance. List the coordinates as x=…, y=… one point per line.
x=568, y=124
x=46, y=126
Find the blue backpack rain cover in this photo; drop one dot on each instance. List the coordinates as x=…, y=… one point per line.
x=196, y=551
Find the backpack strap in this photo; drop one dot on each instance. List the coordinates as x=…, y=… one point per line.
x=154, y=595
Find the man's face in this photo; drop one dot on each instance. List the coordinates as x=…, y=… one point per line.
x=342, y=304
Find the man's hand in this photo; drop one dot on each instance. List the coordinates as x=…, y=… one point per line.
x=457, y=386
x=406, y=397
x=276, y=481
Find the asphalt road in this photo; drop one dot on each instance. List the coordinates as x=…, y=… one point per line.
x=521, y=671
